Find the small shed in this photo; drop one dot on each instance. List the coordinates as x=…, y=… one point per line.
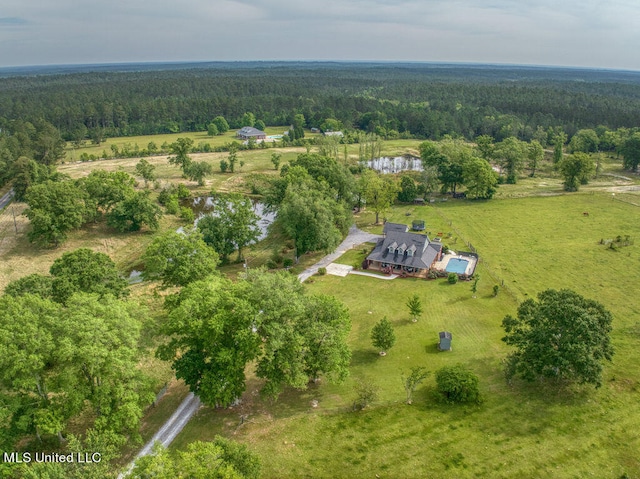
x=417, y=225
x=445, y=341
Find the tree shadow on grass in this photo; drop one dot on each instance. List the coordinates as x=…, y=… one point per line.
x=364, y=357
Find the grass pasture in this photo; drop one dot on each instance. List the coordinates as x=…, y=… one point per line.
x=519, y=431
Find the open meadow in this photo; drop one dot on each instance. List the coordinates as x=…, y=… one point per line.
x=531, y=237
x=523, y=430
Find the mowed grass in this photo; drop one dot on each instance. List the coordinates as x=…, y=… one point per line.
x=521, y=430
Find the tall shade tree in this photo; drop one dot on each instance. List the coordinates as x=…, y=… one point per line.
x=379, y=192
x=55, y=208
x=146, y=170
x=408, y=189
x=324, y=168
x=221, y=124
x=303, y=336
x=177, y=259
x=106, y=189
x=576, y=169
x=584, y=141
x=181, y=149
x=479, y=178
x=27, y=172
x=311, y=219
x=561, y=336
x=233, y=225
x=37, y=284
x=558, y=142
x=511, y=154
x=99, y=346
x=84, y=270
x=197, y=171
x=535, y=155
x=630, y=150
x=212, y=339
x=325, y=327
x=134, y=212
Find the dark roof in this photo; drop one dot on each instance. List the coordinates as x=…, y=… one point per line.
x=401, y=242
x=250, y=131
x=395, y=227
x=445, y=335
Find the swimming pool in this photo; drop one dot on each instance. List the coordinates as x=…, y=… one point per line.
x=458, y=266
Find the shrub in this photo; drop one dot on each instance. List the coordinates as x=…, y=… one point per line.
x=457, y=384
x=172, y=205
x=322, y=271
x=187, y=214
x=496, y=288
x=271, y=264
x=224, y=166
x=452, y=278
x=366, y=393
x=183, y=192
x=287, y=262
x=276, y=257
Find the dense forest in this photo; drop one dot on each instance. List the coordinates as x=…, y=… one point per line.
x=419, y=99
x=42, y=108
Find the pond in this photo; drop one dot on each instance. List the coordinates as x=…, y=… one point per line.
x=396, y=164
x=203, y=206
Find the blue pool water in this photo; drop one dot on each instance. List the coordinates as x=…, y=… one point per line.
x=456, y=265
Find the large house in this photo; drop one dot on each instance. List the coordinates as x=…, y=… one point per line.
x=247, y=132
x=401, y=252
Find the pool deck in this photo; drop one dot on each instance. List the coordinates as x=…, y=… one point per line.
x=442, y=264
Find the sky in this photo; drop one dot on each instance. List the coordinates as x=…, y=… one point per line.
x=589, y=33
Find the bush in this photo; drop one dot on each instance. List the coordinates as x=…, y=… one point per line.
x=224, y=166
x=276, y=257
x=287, y=263
x=322, y=271
x=187, y=214
x=457, y=384
x=172, y=205
x=452, y=278
x=271, y=264
x=183, y=192
x=496, y=288
x=366, y=393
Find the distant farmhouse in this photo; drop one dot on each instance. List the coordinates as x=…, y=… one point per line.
x=247, y=132
x=333, y=133
x=404, y=253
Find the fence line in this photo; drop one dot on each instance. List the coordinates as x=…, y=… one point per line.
x=472, y=248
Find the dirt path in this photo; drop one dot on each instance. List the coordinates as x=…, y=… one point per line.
x=6, y=199
x=170, y=429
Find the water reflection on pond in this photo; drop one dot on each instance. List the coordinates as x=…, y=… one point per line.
x=396, y=164
x=203, y=206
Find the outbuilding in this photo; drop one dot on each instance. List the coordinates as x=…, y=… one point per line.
x=445, y=341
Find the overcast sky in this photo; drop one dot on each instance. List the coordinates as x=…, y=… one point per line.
x=589, y=33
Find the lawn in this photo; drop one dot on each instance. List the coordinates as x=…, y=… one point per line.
x=519, y=431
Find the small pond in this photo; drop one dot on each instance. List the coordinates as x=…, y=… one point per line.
x=396, y=164
x=203, y=206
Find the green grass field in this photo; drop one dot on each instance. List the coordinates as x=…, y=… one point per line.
x=531, y=237
x=519, y=431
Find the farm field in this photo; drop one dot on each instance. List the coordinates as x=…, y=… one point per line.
x=521, y=430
